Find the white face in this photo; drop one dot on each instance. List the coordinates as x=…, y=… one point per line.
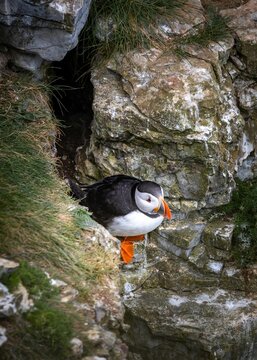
x=146, y=202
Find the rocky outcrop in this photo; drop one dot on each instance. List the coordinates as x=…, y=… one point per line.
x=243, y=69
x=168, y=119
x=186, y=139
x=35, y=31
x=195, y=308
x=243, y=21
x=209, y=325
x=100, y=316
x=189, y=124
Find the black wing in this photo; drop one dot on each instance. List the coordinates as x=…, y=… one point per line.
x=110, y=180
x=113, y=196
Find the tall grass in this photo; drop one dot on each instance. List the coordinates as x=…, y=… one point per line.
x=36, y=223
x=117, y=26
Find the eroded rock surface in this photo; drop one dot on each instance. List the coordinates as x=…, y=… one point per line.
x=169, y=120
x=243, y=22
x=41, y=30
x=209, y=325
x=189, y=124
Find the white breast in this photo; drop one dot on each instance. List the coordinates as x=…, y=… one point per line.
x=134, y=223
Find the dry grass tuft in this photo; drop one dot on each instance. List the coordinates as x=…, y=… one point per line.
x=36, y=220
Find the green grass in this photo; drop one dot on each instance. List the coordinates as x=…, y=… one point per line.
x=41, y=225
x=48, y=327
x=36, y=223
x=117, y=26
x=32, y=198
x=214, y=29
x=243, y=207
x=34, y=280
x=51, y=327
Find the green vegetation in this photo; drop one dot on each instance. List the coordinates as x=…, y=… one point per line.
x=49, y=326
x=243, y=207
x=36, y=220
x=41, y=225
x=117, y=26
x=34, y=280
x=214, y=29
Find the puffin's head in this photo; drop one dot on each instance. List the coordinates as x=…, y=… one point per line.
x=149, y=199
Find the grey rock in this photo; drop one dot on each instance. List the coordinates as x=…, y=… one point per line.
x=246, y=90
x=46, y=29
x=3, y=337
x=213, y=324
x=58, y=283
x=243, y=22
x=178, y=122
x=94, y=334
x=198, y=256
x=7, y=266
x=7, y=302
x=217, y=237
x=68, y=294
x=22, y=300
x=171, y=140
x=179, y=237
x=29, y=62
x=215, y=266
x=100, y=312
x=76, y=347
x=109, y=339
x=233, y=278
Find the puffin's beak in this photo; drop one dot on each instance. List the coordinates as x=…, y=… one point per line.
x=164, y=208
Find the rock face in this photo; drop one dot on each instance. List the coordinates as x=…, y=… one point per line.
x=167, y=119
x=101, y=315
x=243, y=22
x=243, y=68
x=196, y=308
x=182, y=336
x=41, y=30
x=189, y=124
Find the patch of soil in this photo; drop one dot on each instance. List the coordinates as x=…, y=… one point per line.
x=224, y=4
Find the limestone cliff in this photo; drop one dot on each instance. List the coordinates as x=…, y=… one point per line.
x=187, y=123
x=184, y=115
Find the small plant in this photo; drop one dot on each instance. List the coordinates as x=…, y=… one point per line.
x=117, y=26
x=34, y=280
x=214, y=29
x=82, y=218
x=48, y=324
x=52, y=327
x=243, y=207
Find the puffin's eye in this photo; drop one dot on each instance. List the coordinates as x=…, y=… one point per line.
x=149, y=199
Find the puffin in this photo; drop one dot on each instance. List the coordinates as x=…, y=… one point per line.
x=126, y=206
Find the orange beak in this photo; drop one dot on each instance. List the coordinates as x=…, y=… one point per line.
x=164, y=209
x=167, y=212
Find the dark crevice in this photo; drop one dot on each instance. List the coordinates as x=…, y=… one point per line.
x=72, y=104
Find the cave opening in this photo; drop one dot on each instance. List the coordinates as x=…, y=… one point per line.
x=72, y=104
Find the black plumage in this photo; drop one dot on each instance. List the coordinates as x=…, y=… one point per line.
x=128, y=207
x=108, y=198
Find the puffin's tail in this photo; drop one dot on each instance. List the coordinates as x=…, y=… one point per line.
x=76, y=191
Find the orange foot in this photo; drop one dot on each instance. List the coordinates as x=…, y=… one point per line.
x=127, y=247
